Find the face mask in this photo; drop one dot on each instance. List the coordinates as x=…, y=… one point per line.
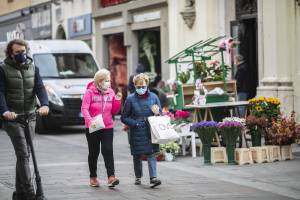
x=20, y=57
x=141, y=91
x=104, y=86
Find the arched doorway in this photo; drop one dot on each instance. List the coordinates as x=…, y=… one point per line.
x=60, y=33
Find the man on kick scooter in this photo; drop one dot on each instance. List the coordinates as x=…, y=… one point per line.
x=20, y=83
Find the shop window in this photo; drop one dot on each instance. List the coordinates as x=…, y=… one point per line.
x=106, y=3
x=149, y=50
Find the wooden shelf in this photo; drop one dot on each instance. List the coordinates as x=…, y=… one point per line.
x=188, y=89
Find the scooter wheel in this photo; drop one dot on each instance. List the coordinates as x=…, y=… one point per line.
x=14, y=196
x=40, y=198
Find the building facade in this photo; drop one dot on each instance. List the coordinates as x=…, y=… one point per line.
x=30, y=20
x=268, y=32
x=73, y=20
x=131, y=32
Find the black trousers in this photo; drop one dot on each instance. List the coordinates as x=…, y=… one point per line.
x=104, y=139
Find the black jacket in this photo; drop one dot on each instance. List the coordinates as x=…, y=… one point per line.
x=241, y=77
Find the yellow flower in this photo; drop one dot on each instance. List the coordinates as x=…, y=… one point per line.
x=258, y=108
x=261, y=98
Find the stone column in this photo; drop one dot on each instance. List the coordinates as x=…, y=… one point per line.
x=276, y=53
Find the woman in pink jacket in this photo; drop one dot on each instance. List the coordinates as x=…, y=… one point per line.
x=99, y=99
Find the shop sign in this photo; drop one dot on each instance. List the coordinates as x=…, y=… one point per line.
x=17, y=33
x=146, y=16
x=111, y=23
x=81, y=25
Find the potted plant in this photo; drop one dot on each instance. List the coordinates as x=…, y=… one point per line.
x=256, y=127
x=268, y=107
x=230, y=130
x=206, y=131
x=181, y=118
x=169, y=150
x=283, y=131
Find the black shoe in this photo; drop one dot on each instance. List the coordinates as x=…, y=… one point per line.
x=138, y=181
x=154, y=182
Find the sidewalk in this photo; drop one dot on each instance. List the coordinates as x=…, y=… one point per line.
x=63, y=164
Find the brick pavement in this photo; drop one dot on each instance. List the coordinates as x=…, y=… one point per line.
x=62, y=160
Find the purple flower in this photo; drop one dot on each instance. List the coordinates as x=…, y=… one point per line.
x=204, y=124
x=229, y=124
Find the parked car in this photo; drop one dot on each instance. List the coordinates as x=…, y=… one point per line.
x=66, y=66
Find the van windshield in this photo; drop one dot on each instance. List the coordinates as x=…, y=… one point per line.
x=66, y=65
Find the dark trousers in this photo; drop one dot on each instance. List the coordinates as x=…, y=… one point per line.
x=22, y=150
x=103, y=138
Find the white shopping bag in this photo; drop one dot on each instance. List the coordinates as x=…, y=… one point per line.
x=161, y=130
x=98, y=121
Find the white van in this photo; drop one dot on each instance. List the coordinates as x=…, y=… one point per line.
x=66, y=66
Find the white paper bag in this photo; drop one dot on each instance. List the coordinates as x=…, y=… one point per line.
x=162, y=131
x=98, y=120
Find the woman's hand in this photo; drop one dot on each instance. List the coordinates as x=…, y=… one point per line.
x=119, y=96
x=155, y=109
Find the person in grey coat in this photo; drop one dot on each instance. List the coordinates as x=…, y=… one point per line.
x=138, y=106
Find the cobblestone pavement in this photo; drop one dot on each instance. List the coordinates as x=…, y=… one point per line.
x=62, y=159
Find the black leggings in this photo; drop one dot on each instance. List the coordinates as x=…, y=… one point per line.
x=105, y=137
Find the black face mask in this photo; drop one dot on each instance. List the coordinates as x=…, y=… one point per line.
x=20, y=57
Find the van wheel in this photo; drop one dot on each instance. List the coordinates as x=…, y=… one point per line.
x=40, y=126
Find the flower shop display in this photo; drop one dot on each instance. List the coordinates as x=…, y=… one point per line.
x=206, y=61
x=268, y=107
x=283, y=131
x=256, y=126
x=169, y=150
x=211, y=72
x=230, y=130
x=206, y=131
x=181, y=117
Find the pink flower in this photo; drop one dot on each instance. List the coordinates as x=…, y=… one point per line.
x=222, y=44
x=182, y=114
x=169, y=114
x=214, y=62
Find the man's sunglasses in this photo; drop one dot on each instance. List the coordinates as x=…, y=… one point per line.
x=140, y=87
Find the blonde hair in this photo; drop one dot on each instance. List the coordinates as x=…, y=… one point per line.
x=101, y=75
x=141, y=77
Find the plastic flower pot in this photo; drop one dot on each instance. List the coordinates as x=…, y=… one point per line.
x=256, y=138
x=206, y=135
x=230, y=153
x=230, y=135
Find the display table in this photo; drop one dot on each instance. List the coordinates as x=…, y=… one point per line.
x=197, y=116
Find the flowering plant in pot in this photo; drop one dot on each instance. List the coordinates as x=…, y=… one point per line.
x=230, y=130
x=169, y=150
x=206, y=131
x=284, y=131
x=268, y=107
x=256, y=126
x=181, y=117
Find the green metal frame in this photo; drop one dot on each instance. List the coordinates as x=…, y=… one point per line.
x=200, y=51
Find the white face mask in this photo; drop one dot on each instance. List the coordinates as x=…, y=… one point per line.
x=104, y=86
